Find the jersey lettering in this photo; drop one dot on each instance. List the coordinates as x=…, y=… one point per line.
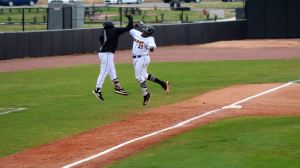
x=140, y=43
x=104, y=39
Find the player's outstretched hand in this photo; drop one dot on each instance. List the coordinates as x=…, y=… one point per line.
x=138, y=24
x=128, y=15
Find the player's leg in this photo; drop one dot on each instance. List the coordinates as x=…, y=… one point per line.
x=147, y=95
x=164, y=84
x=113, y=76
x=139, y=68
x=144, y=72
x=104, y=68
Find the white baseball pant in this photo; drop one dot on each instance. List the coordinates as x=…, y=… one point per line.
x=140, y=68
x=107, y=67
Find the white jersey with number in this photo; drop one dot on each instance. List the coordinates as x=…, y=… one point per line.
x=140, y=51
x=141, y=45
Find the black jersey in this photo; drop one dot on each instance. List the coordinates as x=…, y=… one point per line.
x=110, y=36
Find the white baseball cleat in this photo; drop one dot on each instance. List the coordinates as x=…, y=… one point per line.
x=98, y=95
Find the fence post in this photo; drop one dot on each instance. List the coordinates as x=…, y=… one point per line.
x=47, y=9
x=23, y=19
x=120, y=12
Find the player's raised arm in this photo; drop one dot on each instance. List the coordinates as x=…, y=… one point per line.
x=130, y=22
x=134, y=32
x=136, y=28
x=129, y=26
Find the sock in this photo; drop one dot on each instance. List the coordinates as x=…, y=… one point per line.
x=98, y=89
x=117, y=83
x=144, y=88
x=156, y=80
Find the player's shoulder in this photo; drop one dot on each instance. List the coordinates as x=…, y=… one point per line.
x=118, y=28
x=134, y=31
x=150, y=38
x=111, y=30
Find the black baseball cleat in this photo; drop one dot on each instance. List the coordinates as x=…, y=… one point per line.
x=98, y=95
x=147, y=99
x=121, y=91
x=167, y=87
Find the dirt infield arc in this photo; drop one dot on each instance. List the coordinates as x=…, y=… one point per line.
x=284, y=101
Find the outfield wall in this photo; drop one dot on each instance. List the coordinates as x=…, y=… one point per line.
x=273, y=18
x=77, y=41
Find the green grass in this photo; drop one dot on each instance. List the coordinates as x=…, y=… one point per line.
x=218, y=5
x=251, y=142
x=60, y=102
x=15, y=15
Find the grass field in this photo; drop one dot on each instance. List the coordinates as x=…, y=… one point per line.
x=60, y=102
x=250, y=142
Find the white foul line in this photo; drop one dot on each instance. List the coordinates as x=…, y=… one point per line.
x=236, y=104
x=260, y=94
x=10, y=110
x=140, y=138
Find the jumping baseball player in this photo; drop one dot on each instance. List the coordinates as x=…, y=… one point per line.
x=109, y=42
x=143, y=42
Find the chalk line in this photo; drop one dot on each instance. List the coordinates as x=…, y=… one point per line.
x=233, y=105
x=11, y=110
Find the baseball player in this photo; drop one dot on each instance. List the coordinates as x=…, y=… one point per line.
x=143, y=42
x=109, y=42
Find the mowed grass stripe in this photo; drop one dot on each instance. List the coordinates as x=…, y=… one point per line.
x=59, y=101
x=248, y=142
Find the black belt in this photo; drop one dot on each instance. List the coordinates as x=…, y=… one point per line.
x=138, y=56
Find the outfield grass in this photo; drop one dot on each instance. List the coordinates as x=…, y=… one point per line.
x=251, y=142
x=60, y=102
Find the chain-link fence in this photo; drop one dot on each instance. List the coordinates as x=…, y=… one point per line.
x=36, y=18
x=23, y=19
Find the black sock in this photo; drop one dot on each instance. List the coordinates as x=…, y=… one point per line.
x=156, y=80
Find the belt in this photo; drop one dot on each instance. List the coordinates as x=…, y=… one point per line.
x=138, y=56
